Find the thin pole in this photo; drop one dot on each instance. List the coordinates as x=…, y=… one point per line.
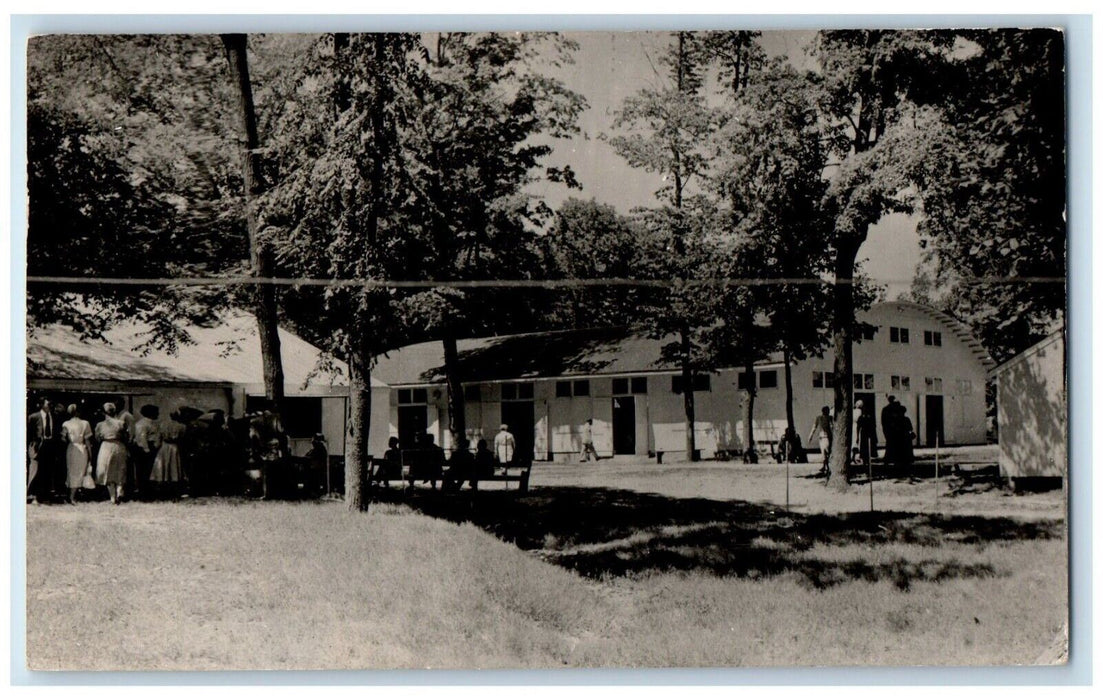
x=936, y=465
x=869, y=466
x=787, y=460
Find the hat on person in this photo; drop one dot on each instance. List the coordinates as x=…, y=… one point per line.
x=859, y=404
x=503, y=426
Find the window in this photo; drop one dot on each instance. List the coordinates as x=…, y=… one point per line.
x=524, y=391
x=863, y=382
x=620, y=385
x=932, y=338
x=965, y=386
x=407, y=396
x=933, y=384
x=901, y=383
x=817, y=380
x=898, y=335
x=581, y=387
x=509, y=392
x=743, y=380
x=701, y=382
x=767, y=379
x=823, y=380
x=514, y=391
x=639, y=385
x=563, y=390
x=866, y=332
x=472, y=392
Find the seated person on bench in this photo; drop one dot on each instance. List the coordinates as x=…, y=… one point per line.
x=485, y=461
x=461, y=467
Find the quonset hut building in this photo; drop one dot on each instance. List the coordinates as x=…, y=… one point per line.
x=546, y=385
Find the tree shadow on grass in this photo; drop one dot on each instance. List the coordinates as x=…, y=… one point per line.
x=602, y=532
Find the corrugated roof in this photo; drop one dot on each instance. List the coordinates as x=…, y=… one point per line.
x=227, y=353
x=585, y=352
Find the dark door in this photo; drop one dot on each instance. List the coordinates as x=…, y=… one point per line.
x=519, y=416
x=412, y=421
x=934, y=420
x=624, y=425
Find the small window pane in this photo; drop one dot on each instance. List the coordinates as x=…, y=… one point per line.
x=829, y=380
x=895, y=383
x=894, y=334
x=582, y=387
x=743, y=380
x=509, y=392
x=472, y=393
x=768, y=379
x=869, y=382
x=639, y=385
x=421, y=396
x=857, y=381
x=562, y=390
x=903, y=335
x=906, y=383
x=817, y=380
x=676, y=383
x=620, y=386
x=524, y=391
x=938, y=339
x=702, y=382
x=404, y=396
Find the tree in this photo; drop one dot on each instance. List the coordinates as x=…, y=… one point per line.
x=260, y=250
x=128, y=177
x=666, y=131
x=592, y=241
x=868, y=76
x=479, y=137
x=991, y=182
x=339, y=206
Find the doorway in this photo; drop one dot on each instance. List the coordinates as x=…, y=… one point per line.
x=520, y=417
x=934, y=420
x=624, y=425
x=412, y=422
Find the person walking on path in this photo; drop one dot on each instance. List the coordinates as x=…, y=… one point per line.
x=77, y=432
x=112, y=458
x=504, y=446
x=588, y=442
x=822, y=425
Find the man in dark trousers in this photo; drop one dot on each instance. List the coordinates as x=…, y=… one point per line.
x=889, y=415
x=43, y=443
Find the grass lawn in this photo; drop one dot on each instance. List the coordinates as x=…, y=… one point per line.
x=642, y=570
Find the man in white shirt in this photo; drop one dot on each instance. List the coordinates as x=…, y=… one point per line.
x=588, y=442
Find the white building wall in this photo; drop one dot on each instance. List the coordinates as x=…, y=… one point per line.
x=1032, y=412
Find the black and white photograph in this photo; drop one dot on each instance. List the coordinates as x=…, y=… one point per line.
x=474, y=350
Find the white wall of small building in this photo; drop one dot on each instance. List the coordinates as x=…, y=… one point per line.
x=1032, y=413
x=660, y=416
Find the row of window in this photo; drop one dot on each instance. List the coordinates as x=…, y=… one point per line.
x=767, y=379
x=900, y=335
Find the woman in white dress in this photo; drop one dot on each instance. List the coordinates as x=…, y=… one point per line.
x=167, y=466
x=111, y=461
x=77, y=432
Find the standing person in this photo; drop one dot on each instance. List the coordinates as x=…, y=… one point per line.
x=822, y=425
x=504, y=446
x=905, y=438
x=588, y=441
x=434, y=460
x=168, y=468
x=889, y=429
x=42, y=435
x=147, y=442
x=111, y=461
x=867, y=434
x=123, y=414
x=77, y=432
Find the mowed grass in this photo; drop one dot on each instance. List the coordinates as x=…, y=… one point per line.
x=503, y=581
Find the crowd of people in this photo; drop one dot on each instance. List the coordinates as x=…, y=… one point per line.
x=896, y=427
x=192, y=453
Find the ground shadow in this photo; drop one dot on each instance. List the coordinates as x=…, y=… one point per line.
x=612, y=532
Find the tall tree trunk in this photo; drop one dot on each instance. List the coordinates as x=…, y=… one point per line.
x=356, y=454
x=843, y=325
x=457, y=418
x=260, y=253
x=789, y=421
x=750, y=454
x=687, y=399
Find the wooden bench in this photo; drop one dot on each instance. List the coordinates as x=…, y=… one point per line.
x=377, y=476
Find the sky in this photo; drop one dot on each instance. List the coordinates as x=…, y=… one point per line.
x=610, y=66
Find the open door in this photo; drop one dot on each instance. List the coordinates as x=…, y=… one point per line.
x=934, y=421
x=624, y=425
